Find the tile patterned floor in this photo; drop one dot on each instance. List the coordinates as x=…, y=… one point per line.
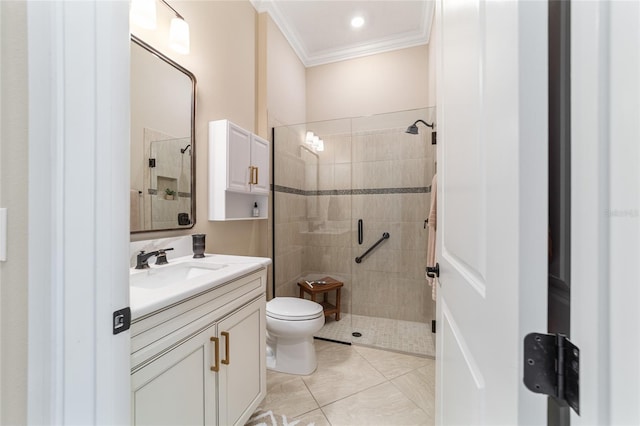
x=401, y=336
x=355, y=385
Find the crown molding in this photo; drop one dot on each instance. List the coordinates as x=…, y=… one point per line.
x=402, y=41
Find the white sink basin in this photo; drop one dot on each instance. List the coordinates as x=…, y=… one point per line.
x=161, y=285
x=174, y=274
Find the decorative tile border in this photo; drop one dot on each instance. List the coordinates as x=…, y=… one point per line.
x=152, y=191
x=372, y=191
x=287, y=190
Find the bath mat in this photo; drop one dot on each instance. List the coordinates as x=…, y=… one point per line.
x=268, y=418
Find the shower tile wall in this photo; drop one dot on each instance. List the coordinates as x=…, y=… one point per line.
x=380, y=176
x=173, y=171
x=390, y=283
x=329, y=234
x=290, y=210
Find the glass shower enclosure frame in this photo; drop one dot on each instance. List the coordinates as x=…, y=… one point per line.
x=358, y=188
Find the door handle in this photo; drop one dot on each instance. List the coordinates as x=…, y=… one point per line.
x=226, y=359
x=253, y=175
x=360, y=232
x=433, y=271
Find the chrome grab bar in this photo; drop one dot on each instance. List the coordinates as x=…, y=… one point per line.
x=385, y=235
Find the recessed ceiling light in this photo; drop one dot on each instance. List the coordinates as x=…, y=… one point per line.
x=357, y=22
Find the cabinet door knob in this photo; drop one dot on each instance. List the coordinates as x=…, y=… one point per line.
x=216, y=350
x=226, y=359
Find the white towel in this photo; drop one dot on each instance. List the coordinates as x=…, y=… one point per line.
x=431, y=241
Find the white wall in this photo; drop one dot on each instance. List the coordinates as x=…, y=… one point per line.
x=13, y=195
x=376, y=84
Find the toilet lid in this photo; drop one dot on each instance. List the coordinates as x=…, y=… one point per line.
x=293, y=308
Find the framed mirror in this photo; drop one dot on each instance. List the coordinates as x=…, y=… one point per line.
x=163, y=106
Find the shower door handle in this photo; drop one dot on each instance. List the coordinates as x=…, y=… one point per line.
x=360, y=232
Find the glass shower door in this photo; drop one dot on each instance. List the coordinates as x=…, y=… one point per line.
x=312, y=218
x=392, y=172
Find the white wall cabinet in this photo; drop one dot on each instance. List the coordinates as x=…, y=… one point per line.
x=202, y=363
x=238, y=172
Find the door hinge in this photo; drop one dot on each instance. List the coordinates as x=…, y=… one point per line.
x=552, y=367
x=152, y=162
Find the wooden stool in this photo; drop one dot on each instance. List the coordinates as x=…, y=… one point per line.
x=331, y=284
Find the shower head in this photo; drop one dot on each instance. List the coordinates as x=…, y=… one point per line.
x=183, y=150
x=413, y=129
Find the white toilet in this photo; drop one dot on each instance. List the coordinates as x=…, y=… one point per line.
x=291, y=324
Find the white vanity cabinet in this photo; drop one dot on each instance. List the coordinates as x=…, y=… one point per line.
x=238, y=172
x=202, y=361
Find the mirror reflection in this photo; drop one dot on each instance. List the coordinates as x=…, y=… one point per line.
x=162, y=141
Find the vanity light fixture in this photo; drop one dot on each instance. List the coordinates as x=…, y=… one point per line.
x=179, y=36
x=143, y=13
x=178, y=32
x=314, y=142
x=309, y=138
x=318, y=144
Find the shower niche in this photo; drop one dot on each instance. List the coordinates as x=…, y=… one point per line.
x=169, y=178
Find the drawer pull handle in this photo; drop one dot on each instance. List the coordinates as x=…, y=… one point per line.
x=256, y=179
x=216, y=351
x=226, y=359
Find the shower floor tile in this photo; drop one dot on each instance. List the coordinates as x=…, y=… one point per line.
x=396, y=335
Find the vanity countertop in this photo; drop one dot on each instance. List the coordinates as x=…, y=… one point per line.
x=163, y=285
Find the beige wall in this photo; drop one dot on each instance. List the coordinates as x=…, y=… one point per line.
x=432, y=66
x=282, y=85
x=13, y=195
x=224, y=60
x=376, y=84
x=286, y=79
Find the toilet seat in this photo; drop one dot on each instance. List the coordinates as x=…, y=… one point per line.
x=293, y=309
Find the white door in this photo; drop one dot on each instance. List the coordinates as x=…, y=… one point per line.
x=260, y=160
x=492, y=207
x=78, y=222
x=239, y=158
x=605, y=237
x=242, y=376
